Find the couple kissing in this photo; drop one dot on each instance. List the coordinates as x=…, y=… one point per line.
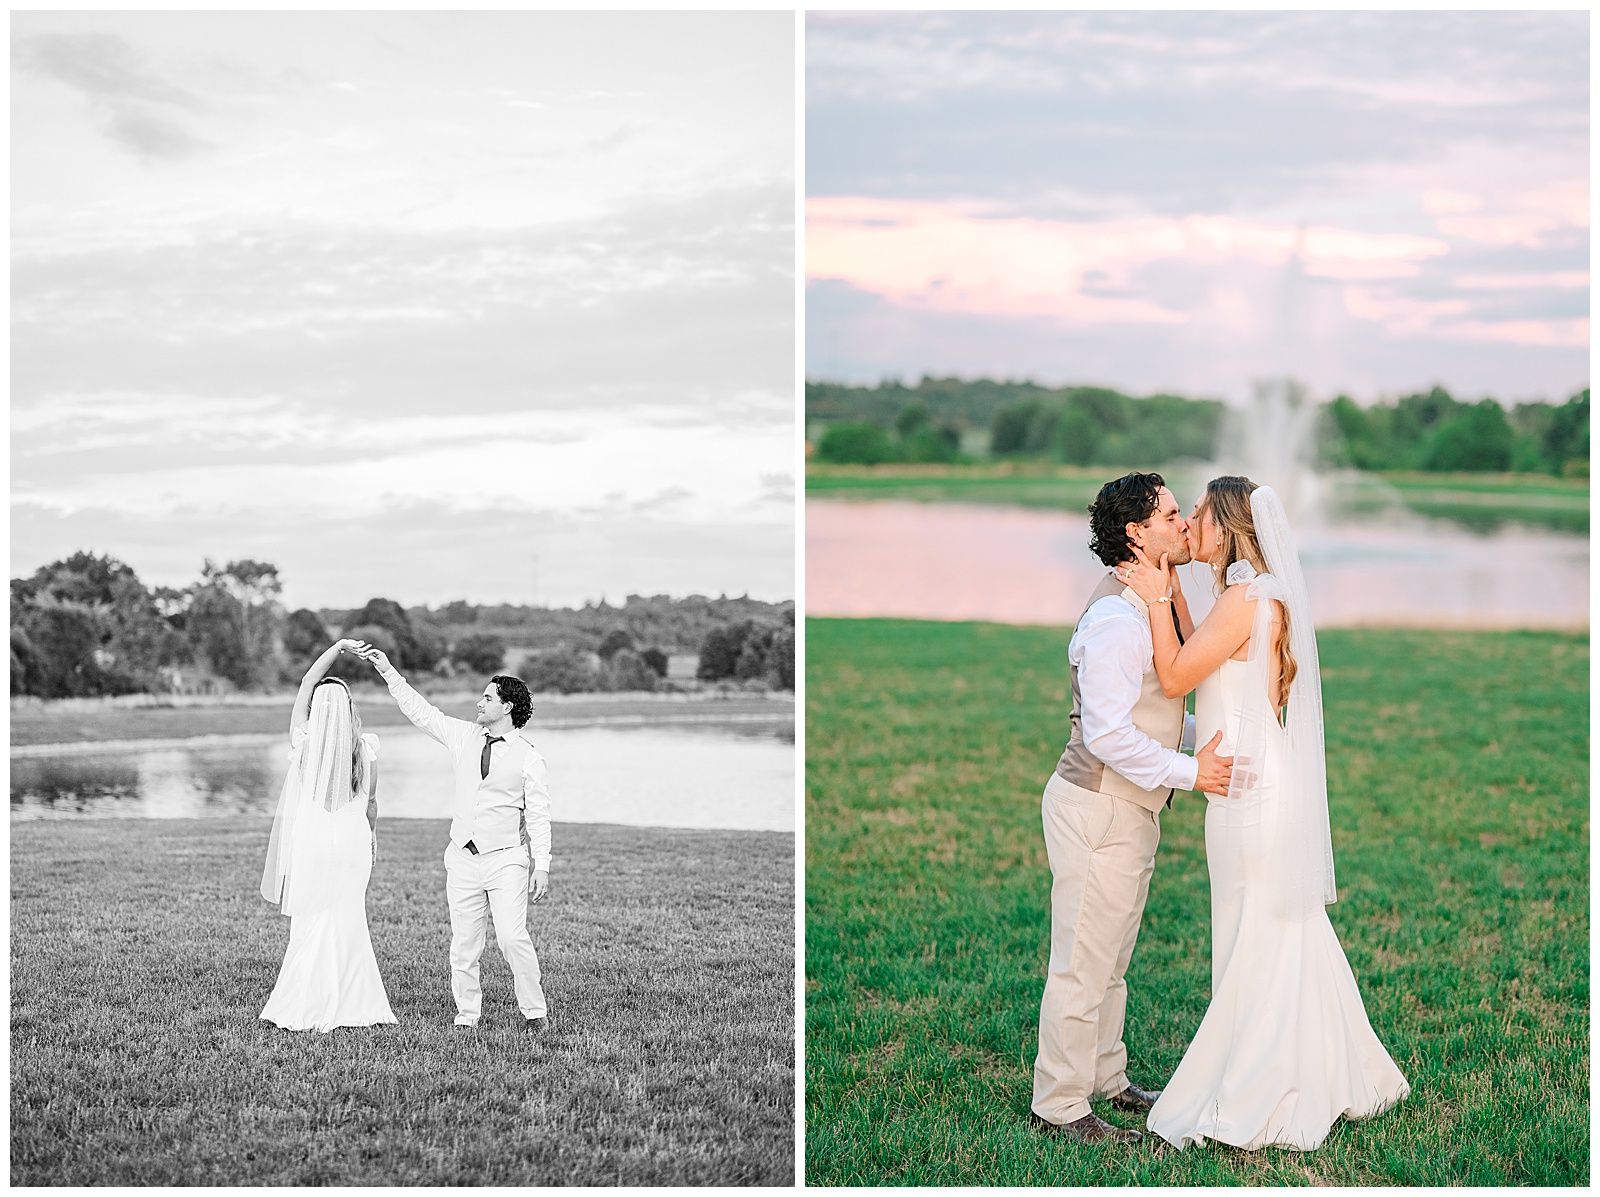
x=1285, y=1048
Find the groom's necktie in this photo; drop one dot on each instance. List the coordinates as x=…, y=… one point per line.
x=483, y=761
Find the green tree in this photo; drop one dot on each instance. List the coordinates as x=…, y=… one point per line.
x=481, y=652
x=1566, y=443
x=656, y=659
x=780, y=659
x=234, y=621
x=559, y=671
x=1078, y=435
x=627, y=670
x=855, y=443
x=1008, y=431
x=933, y=443
x=614, y=641
x=912, y=418
x=752, y=660
x=719, y=651
x=305, y=636
x=1476, y=438
x=86, y=625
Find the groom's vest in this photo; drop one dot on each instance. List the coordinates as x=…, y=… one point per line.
x=489, y=810
x=1156, y=715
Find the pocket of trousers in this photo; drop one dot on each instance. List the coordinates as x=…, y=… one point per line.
x=1099, y=817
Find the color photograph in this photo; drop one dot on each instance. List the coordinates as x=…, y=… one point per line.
x=403, y=643
x=1196, y=670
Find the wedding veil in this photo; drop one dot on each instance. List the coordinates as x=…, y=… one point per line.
x=318, y=784
x=1284, y=764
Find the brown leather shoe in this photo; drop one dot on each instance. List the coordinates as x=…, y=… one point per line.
x=1088, y=1129
x=1135, y=1100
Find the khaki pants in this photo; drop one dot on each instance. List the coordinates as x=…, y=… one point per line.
x=1102, y=852
x=494, y=882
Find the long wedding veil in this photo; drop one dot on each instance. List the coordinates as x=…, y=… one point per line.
x=1287, y=761
x=318, y=784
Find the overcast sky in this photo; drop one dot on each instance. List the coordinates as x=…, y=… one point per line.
x=495, y=306
x=1373, y=202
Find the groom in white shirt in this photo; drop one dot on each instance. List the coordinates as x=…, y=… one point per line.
x=500, y=788
x=1101, y=814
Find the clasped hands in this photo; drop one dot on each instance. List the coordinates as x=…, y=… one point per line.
x=371, y=654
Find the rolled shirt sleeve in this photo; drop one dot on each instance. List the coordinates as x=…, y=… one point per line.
x=1113, y=654
x=536, y=809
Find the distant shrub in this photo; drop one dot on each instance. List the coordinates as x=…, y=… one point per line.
x=1477, y=438
x=560, y=671
x=481, y=652
x=614, y=641
x=656, y=659
x=627, y=670
x=352, y=668
x=930, y=443
x=855, y=443
x=720, y=650
x=304, y=638
x=780, y=659
x=752, y=662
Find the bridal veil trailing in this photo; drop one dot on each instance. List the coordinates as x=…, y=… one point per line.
x=319, y=858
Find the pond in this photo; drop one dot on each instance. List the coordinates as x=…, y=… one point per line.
x=1028, y=566
x=739, y=775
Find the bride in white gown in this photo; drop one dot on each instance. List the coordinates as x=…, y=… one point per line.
x=1285, y=1048
x=319, y=859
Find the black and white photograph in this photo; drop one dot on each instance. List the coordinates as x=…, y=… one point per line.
x=403, y=598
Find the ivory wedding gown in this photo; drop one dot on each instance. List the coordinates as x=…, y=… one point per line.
x=330, y=976
x=1285, y=1048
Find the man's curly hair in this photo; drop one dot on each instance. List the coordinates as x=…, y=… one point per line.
x=514, y=693
x=1130, y=499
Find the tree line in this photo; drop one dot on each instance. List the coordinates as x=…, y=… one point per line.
x=1430, y=431
x=86, y=625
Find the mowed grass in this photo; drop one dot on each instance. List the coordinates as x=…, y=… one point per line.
x=141, y=956
x=1458, y=778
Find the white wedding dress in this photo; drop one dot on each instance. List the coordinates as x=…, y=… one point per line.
x=1285, y=1048
x=330, y=976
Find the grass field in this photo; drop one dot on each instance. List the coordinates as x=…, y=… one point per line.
x=64, y=722
x=1478, y=501
x=141, y=956
x=1458, y=783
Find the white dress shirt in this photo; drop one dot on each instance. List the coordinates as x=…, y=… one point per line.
x=1112, y=651
x=488, y=811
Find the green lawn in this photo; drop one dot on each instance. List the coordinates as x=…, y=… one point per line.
x=1458, y=779
x=1481, y=502
x=141, y=956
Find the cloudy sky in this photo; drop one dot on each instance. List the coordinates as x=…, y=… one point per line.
x=1373, y=202
x=495, y=306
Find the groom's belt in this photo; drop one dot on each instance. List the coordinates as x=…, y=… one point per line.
x=477, y=851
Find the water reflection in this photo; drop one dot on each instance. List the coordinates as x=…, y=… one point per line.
x=737, y=775
x=1014, y=565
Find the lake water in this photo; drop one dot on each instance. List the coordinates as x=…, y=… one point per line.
x=1020, y=565
x=734, y=776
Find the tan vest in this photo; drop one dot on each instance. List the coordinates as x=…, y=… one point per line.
x=1156, y=715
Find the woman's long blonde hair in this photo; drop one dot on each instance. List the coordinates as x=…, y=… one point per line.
x=358, y=763
x=1228, y=500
